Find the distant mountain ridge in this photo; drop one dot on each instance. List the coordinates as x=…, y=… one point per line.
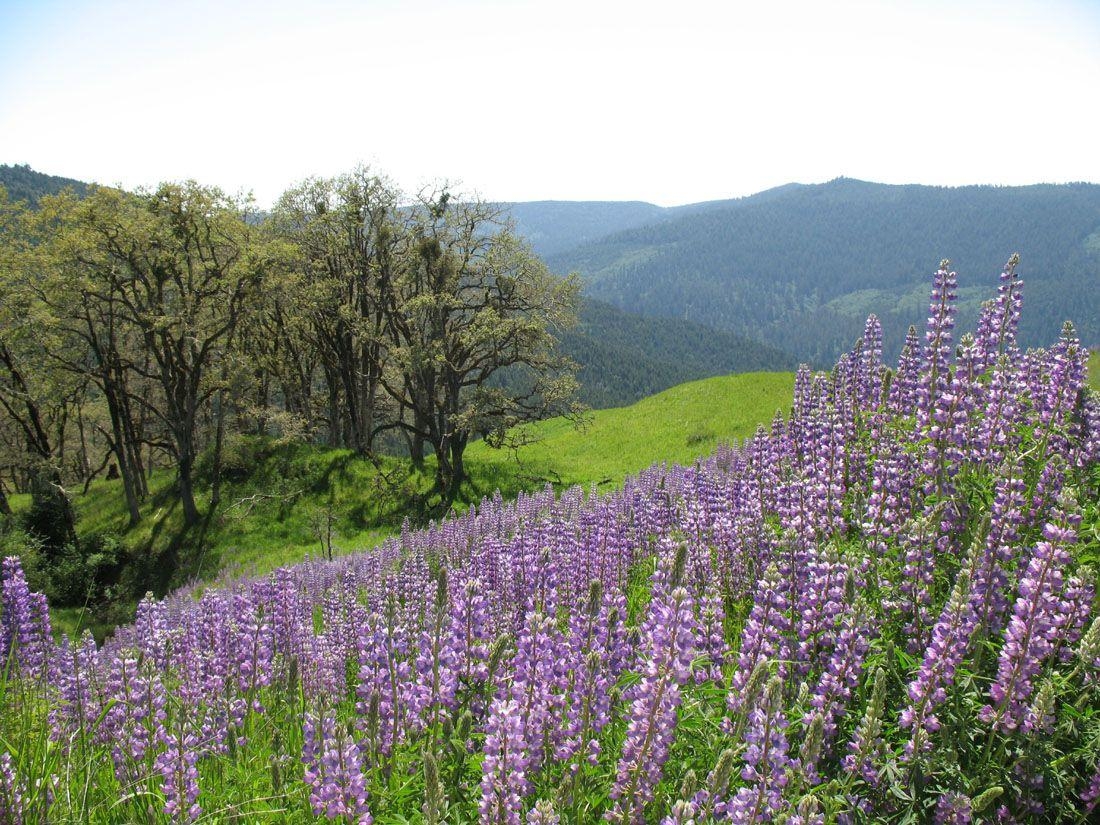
x=552, y=227
x=801, y=266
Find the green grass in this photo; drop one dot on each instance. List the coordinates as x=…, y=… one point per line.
x=273, y=509
x=677, y=425
x=1094, y=369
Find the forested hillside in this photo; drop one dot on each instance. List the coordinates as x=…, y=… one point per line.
x=25, y=184
x=802, y=266
x=624, y=357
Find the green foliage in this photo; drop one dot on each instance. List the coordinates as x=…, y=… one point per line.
x=27, y=547
x=85, y=572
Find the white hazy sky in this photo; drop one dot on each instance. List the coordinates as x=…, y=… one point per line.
x=668, y=102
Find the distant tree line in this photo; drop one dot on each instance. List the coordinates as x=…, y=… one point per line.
x=140, y=330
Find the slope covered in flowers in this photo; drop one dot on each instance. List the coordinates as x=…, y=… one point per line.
x=875, y=610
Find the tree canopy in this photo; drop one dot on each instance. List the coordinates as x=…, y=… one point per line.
x=138, y=329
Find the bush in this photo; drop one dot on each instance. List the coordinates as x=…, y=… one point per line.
x=241, y=455
x=85, y=573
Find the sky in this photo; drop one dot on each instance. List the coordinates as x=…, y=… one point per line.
x=672, y=102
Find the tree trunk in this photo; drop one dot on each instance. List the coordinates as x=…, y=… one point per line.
x=85, y=462
x=416, y=451
x=333, y=408
x=219, y=440
x=122, y=453
x=458, y=466
x=187, y=491
x=5, y=507
x=51, y=517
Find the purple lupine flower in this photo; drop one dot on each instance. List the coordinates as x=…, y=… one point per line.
x=1073, y=612
x=538, y=684
x=763, y=637
x=990, y=582
x=595, y=665
x=179, y=775
x=470, y=633
x=938, y=335
x=668, y=639
x=1089, y=437
x=889, y=504
x=25, y=639
x=1000, y=318
x=712, y=641
x=953, y=808
x=13, y=792
x=903, y=391
x=333, y=770
x=1032, y=631
x=384, y=672
x=503, y=778
x=129, y=724
x=1047, y=489
x=869, y=386
x=1056, y=386
x=916, y=580
x=766, y=762
x=950, y=640
x=436, y=666
x=1090, y=796
x=842, y=671
x=818, y=583
x=78, y=705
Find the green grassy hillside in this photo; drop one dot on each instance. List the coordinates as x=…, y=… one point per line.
x=677, y=425
x=279, y=500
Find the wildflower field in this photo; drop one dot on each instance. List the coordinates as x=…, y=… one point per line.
x=880, y=609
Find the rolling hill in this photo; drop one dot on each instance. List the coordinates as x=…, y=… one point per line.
x=279, y=497
x=552, y=227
